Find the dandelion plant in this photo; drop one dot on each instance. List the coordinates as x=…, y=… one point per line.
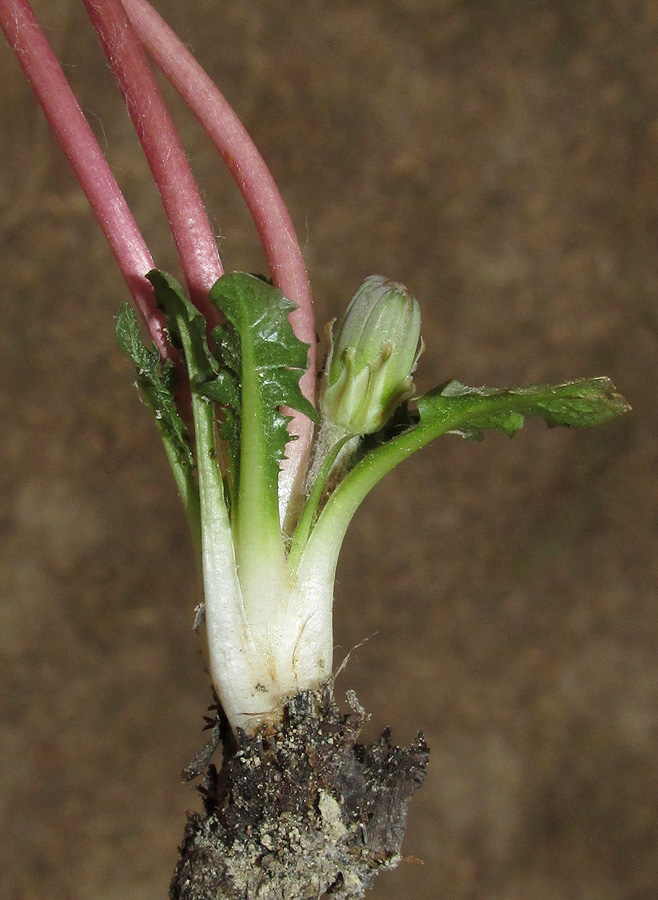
x=270, y=473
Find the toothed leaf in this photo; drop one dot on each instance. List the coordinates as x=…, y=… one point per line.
x=155, y=384
x=455, y=408
x=262, y=361
x=583, y=404
x=184, y=322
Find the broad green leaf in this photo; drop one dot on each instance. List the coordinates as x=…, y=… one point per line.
x=262, y=361
x=155, y=383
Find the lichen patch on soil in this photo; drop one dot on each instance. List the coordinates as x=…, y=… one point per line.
x=300, y=810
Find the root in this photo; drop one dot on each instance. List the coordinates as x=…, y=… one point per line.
x=301, y=810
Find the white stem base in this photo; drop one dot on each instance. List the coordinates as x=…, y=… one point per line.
x=259, y=660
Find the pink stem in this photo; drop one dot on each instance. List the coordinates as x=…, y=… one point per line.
x=164, y=152
x=240, y=155
x=258, y=189
x=86, y=158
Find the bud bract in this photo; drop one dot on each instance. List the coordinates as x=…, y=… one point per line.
x=372, y=356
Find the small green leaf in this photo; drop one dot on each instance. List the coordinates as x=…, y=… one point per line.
x=130, y=341
x=583, y=404
x=185, y=323
x=262, y=361
x=155, y=383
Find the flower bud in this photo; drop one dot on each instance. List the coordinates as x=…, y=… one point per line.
x=371, y=357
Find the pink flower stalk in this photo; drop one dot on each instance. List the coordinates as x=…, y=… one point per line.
x=91, y=169
x=243, y=160
x=164, y=152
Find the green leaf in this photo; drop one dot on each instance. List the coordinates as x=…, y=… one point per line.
x=186, y=325
x=262, y=361
x=455, y=408
x=581, y=404
x=187, y=329
x=155, y=383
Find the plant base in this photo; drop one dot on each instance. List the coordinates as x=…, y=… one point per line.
x=299, y=810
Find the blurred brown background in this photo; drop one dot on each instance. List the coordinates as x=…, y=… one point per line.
x=501, y=158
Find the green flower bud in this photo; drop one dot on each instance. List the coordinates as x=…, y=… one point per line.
x=371, y=357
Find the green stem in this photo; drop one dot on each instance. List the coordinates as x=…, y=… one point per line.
x=454, y=407
x=340, y=508
x=205, y=506
x=256, y=518
x=336, y=516
x=309, y=515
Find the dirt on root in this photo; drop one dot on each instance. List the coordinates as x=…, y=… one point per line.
x=301, y=809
